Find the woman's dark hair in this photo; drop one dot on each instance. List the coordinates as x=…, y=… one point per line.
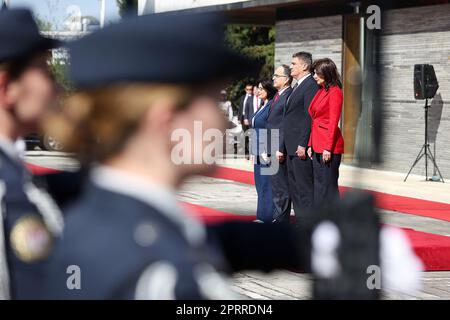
x=327, y=69
x=270, y=89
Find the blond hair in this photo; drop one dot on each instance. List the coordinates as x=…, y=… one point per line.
x=97, y=123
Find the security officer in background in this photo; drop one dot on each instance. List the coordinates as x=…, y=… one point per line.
x=30, y=218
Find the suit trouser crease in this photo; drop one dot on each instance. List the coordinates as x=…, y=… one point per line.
x=301, y=184
x=280, y=191
x=326, y=177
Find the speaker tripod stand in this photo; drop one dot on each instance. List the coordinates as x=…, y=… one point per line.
x=425, y=151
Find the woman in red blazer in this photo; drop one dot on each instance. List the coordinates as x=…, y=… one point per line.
x=326, y=144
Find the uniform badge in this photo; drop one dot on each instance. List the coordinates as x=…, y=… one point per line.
x=30, y=239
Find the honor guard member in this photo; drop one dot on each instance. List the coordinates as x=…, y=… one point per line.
x=142, y=84
x=30, y=219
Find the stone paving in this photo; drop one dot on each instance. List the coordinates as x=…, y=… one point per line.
x=240, y=199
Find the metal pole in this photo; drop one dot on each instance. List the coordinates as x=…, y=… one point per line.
x=141, y=6
x=102, y=13
x=426, y=139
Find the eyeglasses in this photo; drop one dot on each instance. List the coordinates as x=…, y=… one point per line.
x=278, y=76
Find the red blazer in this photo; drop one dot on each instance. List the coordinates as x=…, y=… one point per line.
x=325, y=110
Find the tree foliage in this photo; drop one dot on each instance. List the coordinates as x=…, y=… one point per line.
x=255, y=42
x=43, y=25
x=59, y=71
x=58, y=66
x=122, y=4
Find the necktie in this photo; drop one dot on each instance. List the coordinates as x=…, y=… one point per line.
x=274, y=100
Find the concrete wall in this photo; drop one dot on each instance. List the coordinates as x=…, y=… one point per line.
x=171, y=5
x=320, y=36
x=414, y=36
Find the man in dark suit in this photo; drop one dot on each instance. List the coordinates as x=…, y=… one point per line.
x=282, y=80
x=253, y=104
x=296, y=130
x=244, y=101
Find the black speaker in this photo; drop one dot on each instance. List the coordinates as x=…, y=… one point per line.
x=425, y=81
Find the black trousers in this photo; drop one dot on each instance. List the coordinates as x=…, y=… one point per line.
x=326, y=177
x=246, y=139
x=280, y=193
x=301, y=185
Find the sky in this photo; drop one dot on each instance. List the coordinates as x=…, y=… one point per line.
x=55, y=11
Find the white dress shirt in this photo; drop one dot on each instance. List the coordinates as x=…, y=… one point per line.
x=299, y=81
x=245, y=103
x=280, y=92
x=255, y=104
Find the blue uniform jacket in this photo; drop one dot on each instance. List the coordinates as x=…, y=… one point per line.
x=121, y=245
x=30, y=222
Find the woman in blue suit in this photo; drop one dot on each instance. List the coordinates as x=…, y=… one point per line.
x=266, y=209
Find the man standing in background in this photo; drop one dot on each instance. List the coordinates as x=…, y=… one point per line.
x=225, y=105
x=252, y=106
x=244, y=101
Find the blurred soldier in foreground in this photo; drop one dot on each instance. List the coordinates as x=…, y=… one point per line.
x=127, y=237
x=30, y=218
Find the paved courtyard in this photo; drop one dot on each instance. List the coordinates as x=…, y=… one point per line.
x=240, y=199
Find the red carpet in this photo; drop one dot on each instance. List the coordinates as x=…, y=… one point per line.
x=433, y=250
x=38, y=170
x=211, y=216
x=424, y=208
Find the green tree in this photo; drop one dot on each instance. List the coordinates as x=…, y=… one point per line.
x=43, y=25
x=255, y=42
x=59, y=71
x=58, y=67
x=122, y=4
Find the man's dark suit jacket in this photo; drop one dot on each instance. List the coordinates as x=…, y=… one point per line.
x=241, y=107
x=297, y=121
x=275, y=119
x=249, y=108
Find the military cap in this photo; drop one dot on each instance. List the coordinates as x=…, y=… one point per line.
x=183, y=48
x=19, y=35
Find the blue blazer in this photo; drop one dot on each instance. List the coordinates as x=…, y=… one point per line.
x=260, y=133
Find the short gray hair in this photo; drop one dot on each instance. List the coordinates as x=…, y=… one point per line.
x=306, y=57
x=287, y=73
